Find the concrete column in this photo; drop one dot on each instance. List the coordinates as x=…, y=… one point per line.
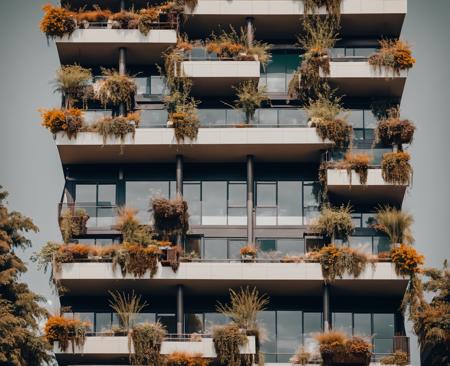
x=250, y=24
x=122, y=5
x=179, y=175
x=122, y=71
x=326, y=307
x=180, y=310
x=250, y=199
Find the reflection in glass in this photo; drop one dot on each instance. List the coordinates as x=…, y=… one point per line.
x=289, y=328
x=289, y=203
x=266, y=322
x=215, y=249
x=191, y=193
x=343, y=322
x=102, y=322
x=362, y=324
x=213, y=319
x=139, y=195
x=193, y=323
x=235, y=246
x=214, y=203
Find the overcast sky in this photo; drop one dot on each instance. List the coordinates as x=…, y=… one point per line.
x=30, y=168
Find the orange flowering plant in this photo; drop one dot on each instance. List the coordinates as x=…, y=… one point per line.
x=57, y=21
x=393, y=54
x=56, y=120
x=63, y=330
x=407, y=259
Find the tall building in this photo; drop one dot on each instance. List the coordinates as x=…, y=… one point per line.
x=247, y=177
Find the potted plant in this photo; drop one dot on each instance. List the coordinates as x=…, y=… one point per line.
x=396, y=168
x=248, y=253
x=393, y=54
x=250, y=98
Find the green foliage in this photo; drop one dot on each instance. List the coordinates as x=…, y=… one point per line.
x=74, y=83
x=244, y=307
x=20, y=313
x=250, y=98
x=147, y=340
x=396, y=223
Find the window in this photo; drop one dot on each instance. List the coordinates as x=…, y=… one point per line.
x=281, y=247
x=99, y=200
x=267, y=324
x=383, y=331
x=169, y=321
x=191, y=193
x=86, y=317
x=139, y=195
x=215, y=249
x=278, y=72
x=289, y=328
x=235, y=245
x=281, y=203
x=237, y=203
x=289, y=203
x=193, y=323
x=193, y=244
x=102, y=322
x=214, y=203
x=213, y=319
x=343, y=322
x=362, y=325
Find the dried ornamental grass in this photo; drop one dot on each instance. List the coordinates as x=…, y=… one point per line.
x=147, y=18
x=57, y=21
x=250, y=98
x=74, y=82
x=57, y=120
x=396, y=169
x=395, y=131
x=73, y=223
x=118, y=127
x=127, y=306
x=395, y=55
x=97, y=15
x=147, y=340
x=336, y=261
x=170, y=217
x=244, y=307
x=227, y=340
x=335, y=347
x=407, y=260
x=396, y=224
x=185, y=126
x=115, y=89
x=333, y=7
x=65, y=331
x=334, y=222
x=359, y=163
x=302, y=357
x=398, y=358
x=136, y=259
x=125, y=20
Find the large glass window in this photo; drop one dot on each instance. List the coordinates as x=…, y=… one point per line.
x=237, y=203
x=191, y=193
x=139, y=195
x=267, y=324
x=289, y=329
x=343, y=322
x=285, y=203
x=275, y=248
x=215, y=249
x=362, y=324
x=214, y=203
x=278, y=72
x=99, y=200
x=383, y=330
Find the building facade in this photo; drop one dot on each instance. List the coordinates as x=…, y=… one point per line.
x=254, y=184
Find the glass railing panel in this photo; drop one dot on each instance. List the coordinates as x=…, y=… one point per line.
x=151, y=118
x=93, y=115
x=211, y=117
x=267, y=117
x=143, y=85
x=100, y=216
x=292, y=117
x=235, y=117
x=158, y=85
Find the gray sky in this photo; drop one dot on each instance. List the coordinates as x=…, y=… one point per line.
x=30, y=168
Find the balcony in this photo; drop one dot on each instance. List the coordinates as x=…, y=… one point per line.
x=212, y=145
x=275, y=19
x=99, y=45
x=217, y=77
x=105, y=348
x=346, y=187
x=356, y=78
x=215, y=277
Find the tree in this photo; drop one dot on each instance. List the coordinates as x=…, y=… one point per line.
x=20, y=343
x=431, y=320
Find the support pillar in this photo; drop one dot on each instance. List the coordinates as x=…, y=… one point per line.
x=179, y=175
x=122, y=71
x=180, y=310
x=179, y=188
x=122, y=5
x=250, y=199
x=326, y=308
x=250, y=30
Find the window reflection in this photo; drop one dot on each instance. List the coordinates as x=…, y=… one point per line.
x=140, y=194
x=214, y=203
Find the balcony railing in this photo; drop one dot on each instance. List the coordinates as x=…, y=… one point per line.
x=100, y=216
